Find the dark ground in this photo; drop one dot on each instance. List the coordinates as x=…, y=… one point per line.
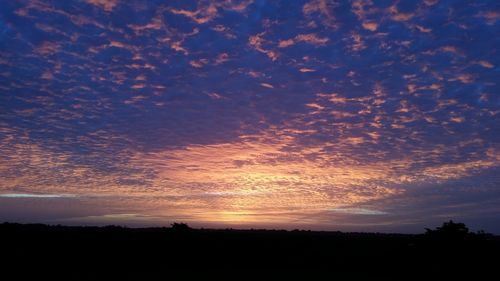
x=98, y=253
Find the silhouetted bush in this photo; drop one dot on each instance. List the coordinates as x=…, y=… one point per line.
x=180, y=227
x=449, y=229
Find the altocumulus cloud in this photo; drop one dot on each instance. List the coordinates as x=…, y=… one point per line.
x=250, y=112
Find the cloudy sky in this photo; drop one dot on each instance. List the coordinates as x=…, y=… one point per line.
x=333, y=115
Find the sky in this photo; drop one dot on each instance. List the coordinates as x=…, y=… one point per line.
x=324, y=115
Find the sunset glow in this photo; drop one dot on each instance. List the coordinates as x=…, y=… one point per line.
x=375, y=115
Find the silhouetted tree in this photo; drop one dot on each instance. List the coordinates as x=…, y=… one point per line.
x=180, y=227
x=449, y=229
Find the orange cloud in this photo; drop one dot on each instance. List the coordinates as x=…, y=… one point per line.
x=256, y=42
x=310, y=38
x=423, y=29
x=140, y=77
x=324, y=8
x=491, y=17
x=398, y=16
x=206, y=12
x=214, y=96
x=451, y=49
x=178, y=47
x=464, y=78
x=372, y=26
x=198, y=63
x=106, y=5
x=286, y=43
x=315, y=106
x=221, y=58
x=485, y=64
x=457, y=119
x=138, y=86
x=47, y=48
x=267, y=85
x=117, y=44
x=134, y=99
x=357, y=44
x=200, y=16
x=155, y=24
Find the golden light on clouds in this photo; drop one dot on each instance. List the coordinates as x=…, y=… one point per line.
x=244, y=111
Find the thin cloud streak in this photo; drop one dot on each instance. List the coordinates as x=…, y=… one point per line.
x=308, y=113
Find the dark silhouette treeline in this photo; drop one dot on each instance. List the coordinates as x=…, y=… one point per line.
x=94, y=252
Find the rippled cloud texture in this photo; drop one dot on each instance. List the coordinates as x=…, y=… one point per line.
x=350, y=115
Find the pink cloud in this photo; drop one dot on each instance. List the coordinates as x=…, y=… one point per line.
x=106, y=5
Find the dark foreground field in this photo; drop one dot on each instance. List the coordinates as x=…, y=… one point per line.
x=181, y=253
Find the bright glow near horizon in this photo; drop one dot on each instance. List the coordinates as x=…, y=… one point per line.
x=348, y=115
